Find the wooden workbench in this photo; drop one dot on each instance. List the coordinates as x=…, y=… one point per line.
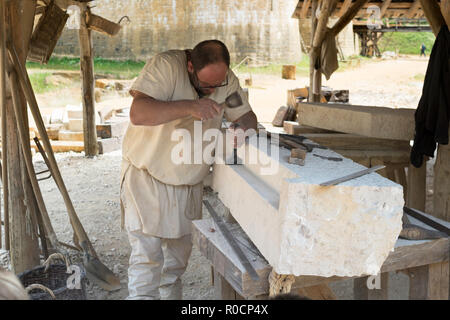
x=425, y=261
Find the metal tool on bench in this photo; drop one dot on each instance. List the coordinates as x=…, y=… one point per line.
x=232, y=242
x=352, y=176
x=234, y=100
x=414, y=232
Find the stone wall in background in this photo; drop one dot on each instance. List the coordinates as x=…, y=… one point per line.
x=261, y=29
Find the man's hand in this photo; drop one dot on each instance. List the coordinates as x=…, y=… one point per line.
x=205, y=109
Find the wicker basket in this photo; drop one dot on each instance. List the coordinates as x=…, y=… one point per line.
x=53, y=279
x=46, y=34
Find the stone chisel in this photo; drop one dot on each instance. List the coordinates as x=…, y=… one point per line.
x=351, y=176
x=229, y=237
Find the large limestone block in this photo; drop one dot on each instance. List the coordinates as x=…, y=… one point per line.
x=376, y=122
x=302, y=228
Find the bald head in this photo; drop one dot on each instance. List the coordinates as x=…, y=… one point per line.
x=210, y=52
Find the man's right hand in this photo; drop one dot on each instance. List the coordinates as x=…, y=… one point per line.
x=205, y=109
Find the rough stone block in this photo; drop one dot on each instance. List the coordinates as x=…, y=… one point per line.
x=302, y=228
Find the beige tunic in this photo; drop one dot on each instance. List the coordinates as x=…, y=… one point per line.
x=158, y=195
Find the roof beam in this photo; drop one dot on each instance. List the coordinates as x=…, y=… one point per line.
x=445, y=9
x=413, y=10
x=384, y=7
x=433, y=14
x=348, y=16
x=344, y=7
x=305, y=7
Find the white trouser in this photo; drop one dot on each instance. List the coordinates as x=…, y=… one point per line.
x=156, y=266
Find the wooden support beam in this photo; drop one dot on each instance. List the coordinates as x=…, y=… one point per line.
x=3, y=113
x=384, y=7
x=433, y=14
x=87, y=76
x=305, y=7
x=344, y=7
x=320, y=32
x=312, y=54
x=429, y=282
x=417, y=187
x=413, y=10
x=24, y=248
x=379, y=291
x=441, y=195
x=348, y=16
x=445, y=9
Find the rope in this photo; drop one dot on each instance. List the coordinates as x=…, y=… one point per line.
x=40, y=286
x=280, y=283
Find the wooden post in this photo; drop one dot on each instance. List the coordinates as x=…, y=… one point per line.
x=362, y=292
x=441, y=196
x=429, y=282
x=433, y=14
x=312, y=55
x=3, y=105
x=24, y=248
x=348, y=16
x=417, y=186
x=87, y=76
x=445, y=9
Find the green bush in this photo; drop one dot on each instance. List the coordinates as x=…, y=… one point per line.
x=406, y=42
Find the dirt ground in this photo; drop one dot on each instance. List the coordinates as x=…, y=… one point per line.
x=93, y=184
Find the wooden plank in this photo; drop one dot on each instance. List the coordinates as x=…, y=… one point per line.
x=438, y=281
x=344, y=7
x=445, y=9
x=222, y=289
x=313, y=55
x=413, y=9
x=292, y=127
x=63, y=146
x=375, y=122
x=417, y=253
x=214, y=247
x=87, y=76
x=429, y=282
x=305, y=8
x=343, y=141
x=417, y=187
x=384, y=7
x=3, y=122
x=318, y=292
x=348, y=16
x=24, y=247
x=361, y=290
x=66, y=135
x=441, y=195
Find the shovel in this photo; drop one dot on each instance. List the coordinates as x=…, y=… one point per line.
x=94, y=267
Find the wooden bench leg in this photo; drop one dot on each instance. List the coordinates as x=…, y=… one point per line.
x=429, y=282
x=223, y=290
x=362, y=292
